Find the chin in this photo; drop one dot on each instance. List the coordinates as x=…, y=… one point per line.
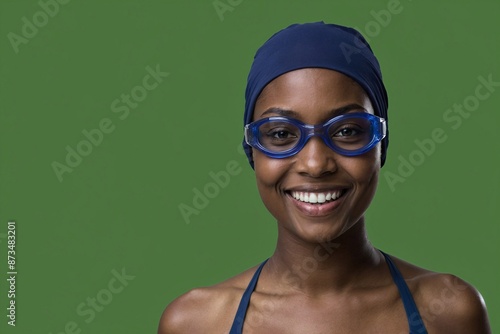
x=316, y=230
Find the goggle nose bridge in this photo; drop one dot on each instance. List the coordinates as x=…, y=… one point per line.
x=318, y=130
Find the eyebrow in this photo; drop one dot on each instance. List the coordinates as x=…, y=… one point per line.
x=331, y=113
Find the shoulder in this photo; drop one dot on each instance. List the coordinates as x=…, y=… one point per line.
x=453, y=305
x=207, y=309
x=190, y=312
x=447, y=303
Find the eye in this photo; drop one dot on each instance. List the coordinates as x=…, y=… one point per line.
x=347, y=132
x=281, y=134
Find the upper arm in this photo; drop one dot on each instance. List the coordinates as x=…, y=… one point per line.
x=455, y=306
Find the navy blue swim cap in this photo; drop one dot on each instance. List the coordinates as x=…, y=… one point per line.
x=317, y=45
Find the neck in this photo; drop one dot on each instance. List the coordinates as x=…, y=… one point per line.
x=330, y=266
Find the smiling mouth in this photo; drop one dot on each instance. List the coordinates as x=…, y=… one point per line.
x=317, y=197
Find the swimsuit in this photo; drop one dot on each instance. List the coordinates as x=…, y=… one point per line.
x=415, y=322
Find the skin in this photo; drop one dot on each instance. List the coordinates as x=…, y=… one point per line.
x=324, y=276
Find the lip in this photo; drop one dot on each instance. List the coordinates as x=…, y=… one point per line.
x=316, y=210
x=315, y=189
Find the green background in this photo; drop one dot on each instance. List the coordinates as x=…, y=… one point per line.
x=119, y=208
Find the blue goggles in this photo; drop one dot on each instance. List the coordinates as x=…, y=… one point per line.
x=348, y=134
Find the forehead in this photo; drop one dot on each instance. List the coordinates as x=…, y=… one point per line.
x=312, y=93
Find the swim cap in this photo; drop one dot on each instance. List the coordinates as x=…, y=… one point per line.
x=317, y=45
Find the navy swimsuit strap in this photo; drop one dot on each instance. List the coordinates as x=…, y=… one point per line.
x=414, y=319
x=237, y=327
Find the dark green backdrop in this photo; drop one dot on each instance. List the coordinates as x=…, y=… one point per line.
x=118, y=208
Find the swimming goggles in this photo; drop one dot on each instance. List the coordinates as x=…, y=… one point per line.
x=348, y=134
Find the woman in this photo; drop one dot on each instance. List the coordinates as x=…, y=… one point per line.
x=316, y=135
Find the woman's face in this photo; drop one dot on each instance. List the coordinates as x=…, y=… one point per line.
x=313, y=96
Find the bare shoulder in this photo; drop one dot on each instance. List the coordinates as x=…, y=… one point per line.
x=447, y=303
x=207, y=309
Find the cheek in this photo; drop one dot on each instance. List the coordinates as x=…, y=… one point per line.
x=269, y=174
x=268, y=171
x=366, y=167
x=369, y=167
x=364, y=171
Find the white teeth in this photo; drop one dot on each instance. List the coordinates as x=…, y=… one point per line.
x=321, y=198
x=316, y=197
x=313, y=198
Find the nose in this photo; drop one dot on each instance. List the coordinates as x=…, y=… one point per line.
x=316, y=159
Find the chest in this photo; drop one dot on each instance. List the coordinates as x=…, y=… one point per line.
x=346, y=314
